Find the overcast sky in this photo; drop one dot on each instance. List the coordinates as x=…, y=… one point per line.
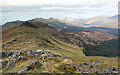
x=28, y=9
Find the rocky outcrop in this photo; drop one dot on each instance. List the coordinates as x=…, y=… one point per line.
x=39, y=60
x=15, y=58
x=5, y=54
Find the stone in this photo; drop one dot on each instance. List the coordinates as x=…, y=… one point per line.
x=3, y=63
x=15, y=58
x=111, y=68
x=86, y=63
x=29, y=68
x=21, y=71
x=91, y=66
x=36, y=63
x=46, y=72
x=11, y=64
x=95, y=71
x=38, y=50
x=81, y=64
x=11, y=72
x=74, y=66
x=5, y=54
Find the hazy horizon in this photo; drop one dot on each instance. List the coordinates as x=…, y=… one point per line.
x=12, y=10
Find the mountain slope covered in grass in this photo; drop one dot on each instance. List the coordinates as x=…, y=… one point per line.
x=36, y=47
x=36, y=35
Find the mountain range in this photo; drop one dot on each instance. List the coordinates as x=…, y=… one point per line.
x=46, y=33
x=100, y=21
x=55, y=46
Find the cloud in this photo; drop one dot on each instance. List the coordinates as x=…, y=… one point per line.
x=45, y=2
x=27, y=5
x=11, y=9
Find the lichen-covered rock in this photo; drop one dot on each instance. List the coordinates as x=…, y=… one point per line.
x=68, y=68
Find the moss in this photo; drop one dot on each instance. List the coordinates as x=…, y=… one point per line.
x=66, y=68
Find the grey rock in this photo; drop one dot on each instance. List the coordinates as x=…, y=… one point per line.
x=5, y=54
x=45, y=72
x=74, y=66
x=28, y=68
x=21, y=71
x=3, y=63
x=15, y=58
x=86, y=63
x=81, y=64
x=11, y=72
x=36, y=63
x=11, y=64
x=111, y=68
x=95, y=71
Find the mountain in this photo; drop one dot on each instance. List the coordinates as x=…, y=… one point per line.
x=11, y=24
x=100, y=21
x=93, y=33
x=113, y=31
x=61, y=31
x=37, y=35
x=36, y=47
x=51, y=21
x=107, y=48
x=95, y=43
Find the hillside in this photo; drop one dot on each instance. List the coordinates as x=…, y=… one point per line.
x=71, y=24
x=36, y=35
x=51, y=21
x=93, y=33
x=79, y=36
x=107, y=48
x=11, y=24
x=100, y=21
x=95, y=43
x=47, y=62
x=36, y=47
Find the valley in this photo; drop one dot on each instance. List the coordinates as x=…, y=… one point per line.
x=35, y=46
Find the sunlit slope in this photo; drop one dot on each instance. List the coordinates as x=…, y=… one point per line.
x=36, y=35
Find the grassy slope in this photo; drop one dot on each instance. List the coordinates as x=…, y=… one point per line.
x=25, y=37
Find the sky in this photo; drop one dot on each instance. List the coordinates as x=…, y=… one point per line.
x=11, y=10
